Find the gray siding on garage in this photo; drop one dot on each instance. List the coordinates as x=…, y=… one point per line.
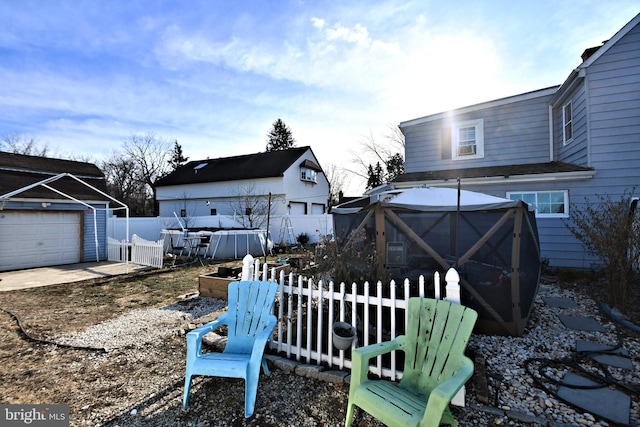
x=89, y=245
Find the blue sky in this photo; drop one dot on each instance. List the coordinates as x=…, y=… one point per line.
x=82, y=76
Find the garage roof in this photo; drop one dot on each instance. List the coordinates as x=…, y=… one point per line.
x=19, y=171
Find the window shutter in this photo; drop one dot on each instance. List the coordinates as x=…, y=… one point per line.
x=445, y=143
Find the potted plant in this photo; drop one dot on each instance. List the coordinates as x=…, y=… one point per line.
x=302, y=239
x=343, y=335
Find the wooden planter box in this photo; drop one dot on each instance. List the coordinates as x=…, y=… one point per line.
x=279, y=267
x=214, y=286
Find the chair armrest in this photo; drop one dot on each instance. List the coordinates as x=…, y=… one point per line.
x=194, y=338
x=441, y=396
x=261, y=340
x=360, y=357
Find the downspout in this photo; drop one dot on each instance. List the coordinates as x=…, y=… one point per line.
x=587, y=107
x=550, y=132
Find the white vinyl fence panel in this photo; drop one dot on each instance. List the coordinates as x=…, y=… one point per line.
x=146, y=252
x=139, y=251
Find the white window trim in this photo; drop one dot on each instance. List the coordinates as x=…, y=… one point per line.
x=547, y=215
x=455, y=136
x=566, y=140
x=307, y=172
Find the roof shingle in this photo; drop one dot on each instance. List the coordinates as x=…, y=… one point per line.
x=19, y=171
x=251, y=166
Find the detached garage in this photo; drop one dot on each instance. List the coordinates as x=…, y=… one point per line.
x=38, y=239
x=52, y=212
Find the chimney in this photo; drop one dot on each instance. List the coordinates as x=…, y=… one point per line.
x=590, y=51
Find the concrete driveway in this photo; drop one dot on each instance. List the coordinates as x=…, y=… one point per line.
x=43, y=276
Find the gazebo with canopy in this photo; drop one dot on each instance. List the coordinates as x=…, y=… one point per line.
x=491, y=241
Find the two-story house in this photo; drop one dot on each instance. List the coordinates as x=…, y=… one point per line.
x=555, y=148
x=237, y=185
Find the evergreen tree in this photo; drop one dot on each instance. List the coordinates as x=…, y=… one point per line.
x=375, y=176
x=177, y=158
x=280, y=137
x=394, y=166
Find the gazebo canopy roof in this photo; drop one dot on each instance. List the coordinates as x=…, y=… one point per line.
x=431, y=199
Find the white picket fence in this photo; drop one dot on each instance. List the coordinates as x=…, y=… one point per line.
x=306, y=311
x=138, y=251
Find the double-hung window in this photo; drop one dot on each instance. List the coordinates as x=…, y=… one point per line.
x=547, y=204
x=567, y=123
x=467, y=140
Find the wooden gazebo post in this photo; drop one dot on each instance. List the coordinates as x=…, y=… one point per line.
x=381, y=246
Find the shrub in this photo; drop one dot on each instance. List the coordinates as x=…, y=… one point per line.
x=610, y=230
x=354, y=262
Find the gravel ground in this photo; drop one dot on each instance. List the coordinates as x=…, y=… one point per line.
x=138, y=381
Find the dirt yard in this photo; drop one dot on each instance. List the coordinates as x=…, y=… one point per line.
x=139, y=383
x=109, y=388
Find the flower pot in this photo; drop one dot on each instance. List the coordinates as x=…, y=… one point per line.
x=343, y=335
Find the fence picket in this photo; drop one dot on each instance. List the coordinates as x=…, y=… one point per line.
x=138, y=251
x=302, y=297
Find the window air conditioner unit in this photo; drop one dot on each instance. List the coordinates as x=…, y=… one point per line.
x=466, y=150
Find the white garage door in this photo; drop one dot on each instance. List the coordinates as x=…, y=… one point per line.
x=38, y=239
x=298, y=208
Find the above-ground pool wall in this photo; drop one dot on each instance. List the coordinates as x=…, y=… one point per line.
x=236, y=244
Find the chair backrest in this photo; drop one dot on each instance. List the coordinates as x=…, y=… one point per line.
x=434, y=344
x=173, y=245
x=250, y=310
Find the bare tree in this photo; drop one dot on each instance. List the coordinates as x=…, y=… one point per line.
x=151, y=156
x=251, y=207
x=132, y=171
x=24, y=144
x=336, y=177
x=387, y=150
x=123, y=183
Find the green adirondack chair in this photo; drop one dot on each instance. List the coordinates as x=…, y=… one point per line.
x=435, y=367
x=250, y=324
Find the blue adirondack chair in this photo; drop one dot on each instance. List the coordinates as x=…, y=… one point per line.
x=250, y=323
x=435, y=368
